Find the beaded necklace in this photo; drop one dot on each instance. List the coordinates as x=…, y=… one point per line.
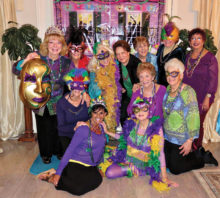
x=168, y=55
x=151, y=100
x=190, y=68
x=168, y=107
x=54, y=74
x=143, y=137
x=89, y=148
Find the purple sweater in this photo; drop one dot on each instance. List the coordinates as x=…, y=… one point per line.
x=204, y=79
x=78, y=146
x=68, y=115
x=156, y=108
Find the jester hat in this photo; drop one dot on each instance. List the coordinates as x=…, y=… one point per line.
x=77, y=78
x=170, y=31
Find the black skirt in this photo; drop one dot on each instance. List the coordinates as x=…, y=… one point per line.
x=78, y=179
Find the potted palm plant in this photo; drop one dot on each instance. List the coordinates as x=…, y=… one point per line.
x=19, y=42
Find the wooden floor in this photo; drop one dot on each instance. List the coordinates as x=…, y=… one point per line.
x=17, y=182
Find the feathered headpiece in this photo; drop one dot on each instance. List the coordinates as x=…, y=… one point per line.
x=77, y=79
x=76, y=36
x=54, y=30
x=170, y=31
x=97, y=101
x=139, y=103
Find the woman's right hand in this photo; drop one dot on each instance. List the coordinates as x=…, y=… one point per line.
x=31, y=56
x=136, y=87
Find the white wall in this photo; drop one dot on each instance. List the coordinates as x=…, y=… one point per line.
x=183, y=9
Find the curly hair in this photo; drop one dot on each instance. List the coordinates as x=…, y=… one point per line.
x=44, y=46
x=139, y=40
x=146, y=66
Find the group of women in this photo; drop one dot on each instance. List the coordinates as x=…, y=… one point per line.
x=162, y=126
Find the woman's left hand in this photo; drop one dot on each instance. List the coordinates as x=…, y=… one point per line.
x=86, y=98
x=205, y=104
x=171, y=183
x=104, y=127
x=186, y=147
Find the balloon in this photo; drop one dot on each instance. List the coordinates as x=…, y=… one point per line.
x=35, y=87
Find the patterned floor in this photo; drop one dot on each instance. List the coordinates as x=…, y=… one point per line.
x=209, y=178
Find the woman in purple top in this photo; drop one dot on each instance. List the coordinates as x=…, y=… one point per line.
x=201, y=73
x=149, y=90
x=71, y=108
x=77, y=172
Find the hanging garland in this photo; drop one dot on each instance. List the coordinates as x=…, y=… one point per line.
x=111, y=2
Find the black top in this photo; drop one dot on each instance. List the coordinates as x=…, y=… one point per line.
x=176, y=53
x=132, y=70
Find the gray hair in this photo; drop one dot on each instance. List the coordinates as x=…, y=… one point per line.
x=175, y=63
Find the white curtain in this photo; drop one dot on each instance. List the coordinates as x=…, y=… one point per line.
x=209, y=18
x=11, y=108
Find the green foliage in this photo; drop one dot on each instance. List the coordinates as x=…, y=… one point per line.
x=209, y=44
x=19, y=42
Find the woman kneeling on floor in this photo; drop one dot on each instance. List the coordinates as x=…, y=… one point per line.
x=77, y=172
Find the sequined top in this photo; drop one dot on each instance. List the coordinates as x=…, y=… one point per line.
x=181, y=116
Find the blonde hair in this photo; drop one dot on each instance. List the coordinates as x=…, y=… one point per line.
x=44, y=46
x=175, y=63
x=146, y=67
x=94, y=63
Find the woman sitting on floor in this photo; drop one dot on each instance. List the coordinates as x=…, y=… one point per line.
x=78, y=172
x=140, y=151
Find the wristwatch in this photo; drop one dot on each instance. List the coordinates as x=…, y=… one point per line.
x=209, y=95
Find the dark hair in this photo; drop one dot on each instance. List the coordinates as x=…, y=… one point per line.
x=97, y=107
x=123, y=44
x=197, y=31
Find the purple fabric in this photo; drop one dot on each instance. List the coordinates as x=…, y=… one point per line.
x=68, y=115
x=155, y=128
x=77, y=149
x=205, y=77
x=157, y=108
x=169, y=28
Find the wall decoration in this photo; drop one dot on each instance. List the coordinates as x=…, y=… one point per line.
x=112, y=19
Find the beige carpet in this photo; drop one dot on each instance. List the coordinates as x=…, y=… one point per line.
x=209, y=179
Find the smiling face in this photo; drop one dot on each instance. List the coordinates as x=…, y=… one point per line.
x=122, y=55
x=98, y=116
x=35, y=85
x=173, y=76
x=197, y=41
x=141, y=113
x=142, y=49
x=168, y=43
x=146, y=78
x=103, y=56
x=54, y=46
x=76, y=52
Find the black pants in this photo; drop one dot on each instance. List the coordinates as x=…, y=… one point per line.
x=179, y=164
x=65, y=141
x=124, y=105
x=78, y=179
x=47, y=134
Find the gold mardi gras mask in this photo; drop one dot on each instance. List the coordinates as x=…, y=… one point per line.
x=35, y=87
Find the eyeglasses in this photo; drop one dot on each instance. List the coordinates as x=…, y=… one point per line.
x=173, y=74
x=75, y=48
x=137, y=109
x=103, y=55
